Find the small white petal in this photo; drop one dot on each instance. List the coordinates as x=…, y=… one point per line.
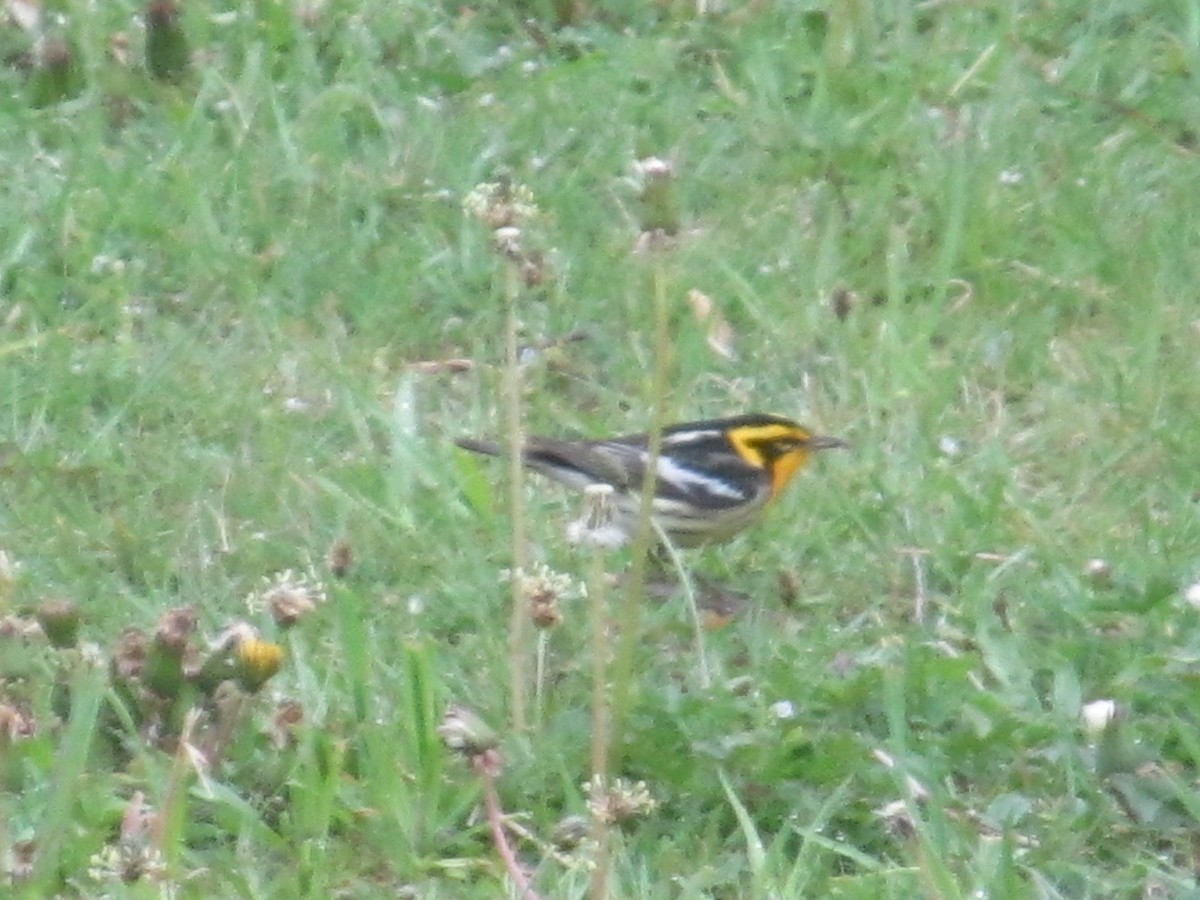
x=1098, y=570
x=1097, y=715
x=949, y=446
x=1192, y=595
x=783, y=709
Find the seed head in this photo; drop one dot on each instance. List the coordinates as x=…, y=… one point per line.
x=595, y=525
x=543, y=590
x=464, y=732
x=288, y=596
x=619, y=803
x=500, y=204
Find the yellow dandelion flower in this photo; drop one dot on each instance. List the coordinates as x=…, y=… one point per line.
x=257, y=661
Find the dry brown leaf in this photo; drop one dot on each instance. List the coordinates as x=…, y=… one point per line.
x=341, y=557
x=843, y=300
x=438, y=366
x=287, y=718
x=719, y=334
x=118, y=47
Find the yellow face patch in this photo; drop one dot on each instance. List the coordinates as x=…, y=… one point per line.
x=778, y=448
x=785, y=467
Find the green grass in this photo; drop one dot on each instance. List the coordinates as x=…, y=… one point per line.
x=210, y=297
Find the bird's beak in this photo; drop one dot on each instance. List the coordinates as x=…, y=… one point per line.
x=824, y=442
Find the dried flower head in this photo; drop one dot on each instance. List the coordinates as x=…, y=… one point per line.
x=570, y=832
x=535, y=268
x=170, y=656
x=288, y=596
x=287, y=717
x=19, y=863
x=507, y=243
x=464, y=732
x=162, y=12
x=129, y=654
x=898, y=819
x=59, y=620
x=132, y=857
x=545, y=615
x=127, y=863
x=543, y=590
x=174, y=628
x=20, y=627
x=15, y=725
x=619, y=802
x=500, y=204
x=596, y=524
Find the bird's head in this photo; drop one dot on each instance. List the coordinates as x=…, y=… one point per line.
x=776, y=444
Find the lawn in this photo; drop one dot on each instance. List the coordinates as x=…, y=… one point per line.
x=245, y=572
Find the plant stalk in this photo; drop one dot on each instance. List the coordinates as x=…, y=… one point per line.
x=635, y=588
x=601, y=725
x=519, y=615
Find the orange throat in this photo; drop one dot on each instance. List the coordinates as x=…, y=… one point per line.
x=784, y=468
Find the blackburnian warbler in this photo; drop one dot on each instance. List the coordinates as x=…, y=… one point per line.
x=712, y=480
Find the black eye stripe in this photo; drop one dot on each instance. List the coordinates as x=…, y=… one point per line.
x=774, y=447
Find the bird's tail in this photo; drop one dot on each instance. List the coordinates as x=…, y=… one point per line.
x=485, y=447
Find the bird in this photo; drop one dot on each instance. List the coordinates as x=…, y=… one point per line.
x=713, y=477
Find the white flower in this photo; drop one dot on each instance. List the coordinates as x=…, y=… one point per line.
x=1098, y=570
x=652, y=167
x=1191, y=594
x=1098, y=715
x=288, y=595
x=949, y=446
x=783, y=709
